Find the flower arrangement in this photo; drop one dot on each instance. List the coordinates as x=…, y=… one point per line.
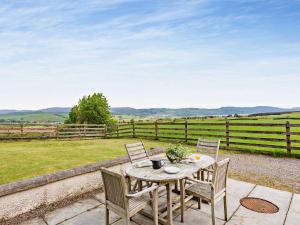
x=175, y=153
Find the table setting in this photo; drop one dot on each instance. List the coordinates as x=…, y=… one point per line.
x=170, y=169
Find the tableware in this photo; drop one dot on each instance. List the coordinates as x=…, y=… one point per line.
x=157, y=163
x=144, y=163
x=194, y=157
x=171, y=169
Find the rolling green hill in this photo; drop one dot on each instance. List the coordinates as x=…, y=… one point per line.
x=33, y=117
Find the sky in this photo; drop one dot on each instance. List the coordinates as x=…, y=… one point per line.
x=142, y=54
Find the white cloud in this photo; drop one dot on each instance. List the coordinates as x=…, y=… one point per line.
x=173, y=54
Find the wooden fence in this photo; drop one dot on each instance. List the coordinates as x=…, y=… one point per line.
x=241, y=136
x=51, y=131
x=260, y=137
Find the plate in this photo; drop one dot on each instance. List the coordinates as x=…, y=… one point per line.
x=171, y=169
x=195, y=157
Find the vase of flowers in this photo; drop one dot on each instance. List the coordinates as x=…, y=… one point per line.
x=175, y=153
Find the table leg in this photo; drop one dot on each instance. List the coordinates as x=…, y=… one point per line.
x=182, y=198
x=140, y=185
x=169, y=204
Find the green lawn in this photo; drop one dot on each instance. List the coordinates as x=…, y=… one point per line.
x=22, y=160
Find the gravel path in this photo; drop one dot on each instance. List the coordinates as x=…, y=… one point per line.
x=275, y=172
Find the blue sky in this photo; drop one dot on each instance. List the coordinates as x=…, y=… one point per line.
x=205, y=53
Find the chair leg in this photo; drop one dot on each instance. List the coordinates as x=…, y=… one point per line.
x=199, y=177
x=182, y=199
x=213, y=217
x=127, y=221
x=140, y=185
x=129, y=184
x=106, y=216
x=225, y=208
x=199, y=203
x=176, y=186
x=155, y=207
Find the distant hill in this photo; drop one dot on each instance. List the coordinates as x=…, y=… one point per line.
x=56, y=110
x=59, y=114
x=165, y=112
x=42, y=117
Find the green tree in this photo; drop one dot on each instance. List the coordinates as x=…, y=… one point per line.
x=91, y=109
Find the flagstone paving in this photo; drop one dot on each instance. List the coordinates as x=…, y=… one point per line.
x=91, y=211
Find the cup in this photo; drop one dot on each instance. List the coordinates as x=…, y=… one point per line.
x=157, y=163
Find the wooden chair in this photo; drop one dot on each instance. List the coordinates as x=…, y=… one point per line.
x=136, y=152
x=207, y=146
x=213, y=191
x=118, y=199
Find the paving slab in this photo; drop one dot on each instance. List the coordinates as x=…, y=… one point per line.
x=193, y=217
x=141, y=220
x=235, y=191
x=293, y=216
x=100, y=197
x=35, y=221
x=282, y=199
x=70, y=211
x=92, y=217
x=122, y=222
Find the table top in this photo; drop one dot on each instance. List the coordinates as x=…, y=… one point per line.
x=186, y=169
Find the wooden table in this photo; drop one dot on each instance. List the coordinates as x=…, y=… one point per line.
x=163, y=178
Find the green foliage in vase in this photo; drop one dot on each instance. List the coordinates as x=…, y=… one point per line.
x=176, y=153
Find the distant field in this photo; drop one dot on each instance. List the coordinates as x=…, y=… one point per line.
x=21, y=160
x=35, y=117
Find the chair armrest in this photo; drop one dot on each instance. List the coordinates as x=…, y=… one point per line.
x=208, y=170
x=198, y=181
x=138, y=194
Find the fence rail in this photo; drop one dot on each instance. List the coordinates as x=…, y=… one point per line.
x=51, y=131
x=262, y=137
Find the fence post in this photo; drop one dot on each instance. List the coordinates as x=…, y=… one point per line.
x=156, y=130
x=227, y=134
x=118, y=130
x=22, y=129
x=288, y=137
x=105, y=130
x=56, y=131
x=186, y=131
x=133, y=129
x=84, y=130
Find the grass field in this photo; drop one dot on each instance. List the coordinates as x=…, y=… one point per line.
x=22, y=160
x=35, y=117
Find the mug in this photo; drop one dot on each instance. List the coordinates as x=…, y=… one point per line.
x=157, y=163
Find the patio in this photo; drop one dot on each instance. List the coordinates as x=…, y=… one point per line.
x=91, y=211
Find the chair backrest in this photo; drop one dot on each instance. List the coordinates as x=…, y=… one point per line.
x=220, y=175
x=115, y=188
x=210, y=146
x=136, y=151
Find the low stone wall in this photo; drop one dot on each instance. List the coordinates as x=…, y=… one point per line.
x=24, y=196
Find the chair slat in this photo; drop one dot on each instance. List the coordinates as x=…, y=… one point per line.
x=208, y=145
x=132, y=149
x=136, y=151
x=134, y=144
